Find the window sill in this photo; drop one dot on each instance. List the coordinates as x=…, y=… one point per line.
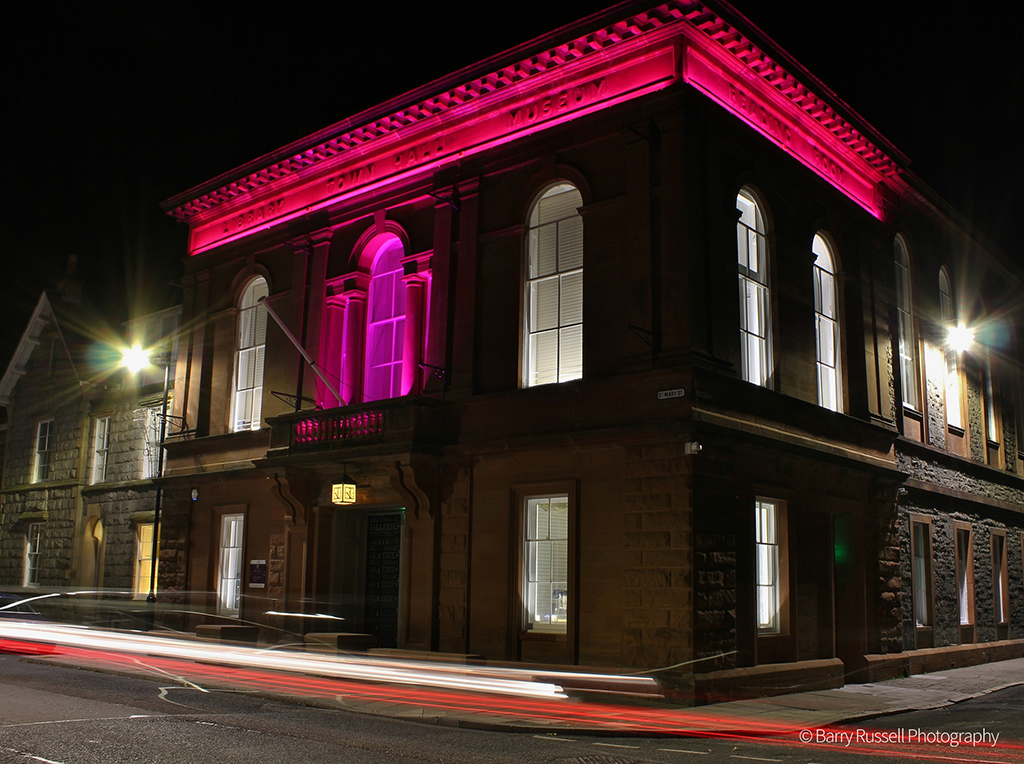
x=542, y=636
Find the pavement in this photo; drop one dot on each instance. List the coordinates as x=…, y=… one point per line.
x=616, y=715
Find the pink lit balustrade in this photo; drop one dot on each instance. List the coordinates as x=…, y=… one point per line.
x=337, y=427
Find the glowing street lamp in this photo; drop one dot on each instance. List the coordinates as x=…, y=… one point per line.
x=959, y=338
x=135, y=359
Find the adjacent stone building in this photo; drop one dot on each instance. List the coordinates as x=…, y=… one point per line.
x=81, y=452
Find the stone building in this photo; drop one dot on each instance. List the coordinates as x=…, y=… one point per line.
x=626, y=347
x=81, y=452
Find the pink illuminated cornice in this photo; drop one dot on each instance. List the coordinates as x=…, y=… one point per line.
x=592, y=71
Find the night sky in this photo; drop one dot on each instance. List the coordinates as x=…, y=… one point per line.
x=114, y=107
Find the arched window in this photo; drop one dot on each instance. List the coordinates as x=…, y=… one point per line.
x=553, y=343
x=385, y=324
x=755, y=300
x=907, y=340
x=826, y=325
x=252, y=339
x=954, y=405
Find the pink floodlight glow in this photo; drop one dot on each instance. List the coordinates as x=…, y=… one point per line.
x=778, y=120
x=509, y=115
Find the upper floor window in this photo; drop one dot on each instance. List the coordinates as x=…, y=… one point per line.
x=553, y=341
x=102, y=449
x=252, y=338
x=385, y=324
x=954, y=403
x=905, y=319
x=755, y=302
x=152, y=445
x=44, y=433
x=826, y=325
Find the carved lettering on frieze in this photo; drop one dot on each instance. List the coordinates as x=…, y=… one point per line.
x=831, y=168
x=420, y=153
x=254, y=216
x=563, y=101
x=349, y=179
x=759, y=115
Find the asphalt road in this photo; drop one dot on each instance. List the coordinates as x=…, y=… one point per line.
x=57, y=714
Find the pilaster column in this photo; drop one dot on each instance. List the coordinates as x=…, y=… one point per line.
x=355, y=293
x=332, y=345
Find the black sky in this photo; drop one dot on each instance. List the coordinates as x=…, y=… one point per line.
x=114, y=107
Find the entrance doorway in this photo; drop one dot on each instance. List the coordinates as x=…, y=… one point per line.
x=366, y=577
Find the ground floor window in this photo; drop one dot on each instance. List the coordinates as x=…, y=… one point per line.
x=33, y=553
x=921, y=572
x=965, y=576
x=144, y=567
x=229, y=584
x=769, y=546
x=1000, y=579
x=546, y=564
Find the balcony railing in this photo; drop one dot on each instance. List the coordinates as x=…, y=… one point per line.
x=401, y=422
x=337, y=425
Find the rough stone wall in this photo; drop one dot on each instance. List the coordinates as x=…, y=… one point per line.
x=946, y=606
x=714, y=559
x=1010, y=437
x=657, y=570
x=932, y=471
x=48, y=391
x=453, y=596
x=889, y=584
x=1015, y=569
x=975, y=414
x=174, y=537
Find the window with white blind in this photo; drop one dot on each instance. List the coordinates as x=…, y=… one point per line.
x=826, y=325
x=553, y=341
x=771, y=561
x=101, y=450
x=44, y=444
x=755, y=298
x=252, y=337
x=546, y=564
x=33, y=553
x=229, y=569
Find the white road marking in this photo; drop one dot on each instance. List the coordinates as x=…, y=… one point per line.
x=30, y=756
x=616, y=745
x=68, y=721
x=684, y=750
x=751, y=758
x=559, y=739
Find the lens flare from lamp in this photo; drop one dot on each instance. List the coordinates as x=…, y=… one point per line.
x=134, y=358
x=960, y=338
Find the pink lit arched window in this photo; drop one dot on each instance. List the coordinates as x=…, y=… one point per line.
x=385, y=324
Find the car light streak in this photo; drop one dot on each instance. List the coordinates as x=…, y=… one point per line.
x=334, y=666
x=442, y=687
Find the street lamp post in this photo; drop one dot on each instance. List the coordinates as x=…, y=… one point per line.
x=135, y=359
